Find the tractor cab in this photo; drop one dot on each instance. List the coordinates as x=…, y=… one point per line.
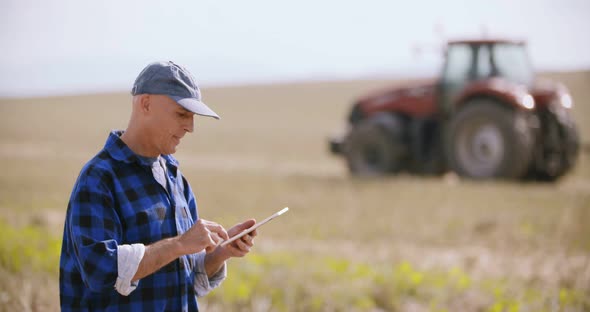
x=468, y=62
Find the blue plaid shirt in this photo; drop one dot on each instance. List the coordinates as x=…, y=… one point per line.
x=116, y=200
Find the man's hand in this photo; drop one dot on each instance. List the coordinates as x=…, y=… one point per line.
x=202, y=235
x=238, y=248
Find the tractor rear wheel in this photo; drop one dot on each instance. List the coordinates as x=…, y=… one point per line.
x=374, y=146
x=488, y=140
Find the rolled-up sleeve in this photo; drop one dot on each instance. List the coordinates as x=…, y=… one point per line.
x=94, y=230
x=127, y=264
x=203, y=283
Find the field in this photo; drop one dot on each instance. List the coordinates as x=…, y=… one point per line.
x=403, y=243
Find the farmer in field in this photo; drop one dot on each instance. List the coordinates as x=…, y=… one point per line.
x=133, y=239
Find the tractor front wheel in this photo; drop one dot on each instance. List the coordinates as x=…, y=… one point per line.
x=374, y=146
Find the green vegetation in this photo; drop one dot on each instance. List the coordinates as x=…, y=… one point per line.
x=28, y=248
x=284, y=283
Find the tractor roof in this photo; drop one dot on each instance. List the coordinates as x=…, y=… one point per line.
x=487, y=41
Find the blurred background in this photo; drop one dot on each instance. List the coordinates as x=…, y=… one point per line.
x=283, y=77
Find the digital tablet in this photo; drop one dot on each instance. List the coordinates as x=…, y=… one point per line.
x=254, y=227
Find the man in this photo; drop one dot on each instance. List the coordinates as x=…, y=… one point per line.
x=133, y=240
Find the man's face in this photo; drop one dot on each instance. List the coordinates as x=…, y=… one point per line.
x=168, y=123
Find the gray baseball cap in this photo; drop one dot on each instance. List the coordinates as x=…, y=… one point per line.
x=175, y=81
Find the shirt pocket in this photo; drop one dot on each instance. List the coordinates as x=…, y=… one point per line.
x=184, y=219
x=149, y=225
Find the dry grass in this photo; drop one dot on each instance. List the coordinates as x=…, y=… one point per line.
x=400, y=244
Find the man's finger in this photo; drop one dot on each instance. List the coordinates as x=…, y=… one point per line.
x=241, y=226
x=216, y=228
x=242, y=246
x=247, y=239
x=216, y=238
x=212, y=244
x=253, y=233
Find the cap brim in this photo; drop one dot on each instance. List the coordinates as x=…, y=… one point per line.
x=195, y=106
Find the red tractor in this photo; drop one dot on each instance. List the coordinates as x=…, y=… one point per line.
x=485, y=117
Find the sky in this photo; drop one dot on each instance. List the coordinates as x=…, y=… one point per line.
x=64, y=47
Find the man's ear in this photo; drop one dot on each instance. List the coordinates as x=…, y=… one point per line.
x=144, y=103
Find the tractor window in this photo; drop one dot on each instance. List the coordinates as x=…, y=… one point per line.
x=511, y=62
x=484, y=62
x=458, y=65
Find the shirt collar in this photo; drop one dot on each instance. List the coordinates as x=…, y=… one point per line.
x=121, y=152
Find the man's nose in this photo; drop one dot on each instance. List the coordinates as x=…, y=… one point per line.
x=190, y=126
